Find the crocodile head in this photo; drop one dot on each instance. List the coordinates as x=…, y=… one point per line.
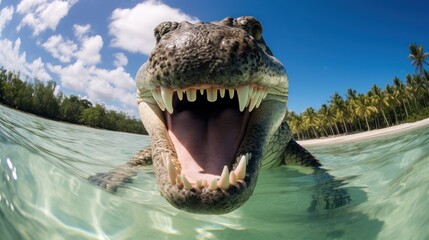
x=210, y=96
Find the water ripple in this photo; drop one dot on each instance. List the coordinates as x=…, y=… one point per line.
x=44, y=193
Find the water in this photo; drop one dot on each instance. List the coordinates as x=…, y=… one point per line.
x=44, y=193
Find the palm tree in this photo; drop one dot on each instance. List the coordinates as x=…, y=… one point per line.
x=418, y=57
x=401, y=93
x=295, y=123
x=392, y=100
x=400, y=99
x=352, y=96
x=327, y=118
x=380, y=101
x=417, y=87
x=340, y=109
x=426, y=75
x=311, y=119
x=364, y=109
x=412, y=89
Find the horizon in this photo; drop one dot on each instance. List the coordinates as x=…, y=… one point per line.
x=325, y=47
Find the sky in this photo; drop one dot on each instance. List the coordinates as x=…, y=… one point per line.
x=93, y=48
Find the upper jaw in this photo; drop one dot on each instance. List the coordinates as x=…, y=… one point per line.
x=250, y=95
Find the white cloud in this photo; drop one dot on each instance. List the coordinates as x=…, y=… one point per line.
x=81, y=30
x=78, y=56
x=132, y=29
x=120, y=60
x=5, y=17
x=86, y=50
x=117, y=77
x=12, y=59
x=89, y=52
x=99, y=84
x=60, y=49
x=43, y=14
x=37, y=70
x=74, y=76
x=10, y=56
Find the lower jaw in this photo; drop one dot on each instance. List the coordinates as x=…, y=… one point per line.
x=230, y=177
x=204, y=201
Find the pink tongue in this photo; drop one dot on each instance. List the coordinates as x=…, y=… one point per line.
x=206, y=143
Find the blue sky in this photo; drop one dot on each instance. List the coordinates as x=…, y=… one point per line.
x=93, y=48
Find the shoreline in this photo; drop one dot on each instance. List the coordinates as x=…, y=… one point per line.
x=365, y=135
x=64, y=122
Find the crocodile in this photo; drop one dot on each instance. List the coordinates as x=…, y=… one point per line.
x=213, y=99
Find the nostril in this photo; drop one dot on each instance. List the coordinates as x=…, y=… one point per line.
x=164, y=28
x=256, y=31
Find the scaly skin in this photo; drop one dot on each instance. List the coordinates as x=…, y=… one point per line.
x=229, y=54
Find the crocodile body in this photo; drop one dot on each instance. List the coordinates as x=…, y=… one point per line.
x=213, y=98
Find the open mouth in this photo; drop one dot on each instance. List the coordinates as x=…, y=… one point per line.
x=206, y=125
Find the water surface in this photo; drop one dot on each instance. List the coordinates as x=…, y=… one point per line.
x=44, y=193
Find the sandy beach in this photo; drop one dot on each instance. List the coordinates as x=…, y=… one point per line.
x=365, y=135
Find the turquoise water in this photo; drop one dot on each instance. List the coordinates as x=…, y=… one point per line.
x=44, y=193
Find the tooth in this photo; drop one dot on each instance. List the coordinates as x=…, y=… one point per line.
x=157, y=96
x=243, y=96
x=251, y=91
x=191, y=95
x=255, y=91
x=200, y=183
x=211, y=94
x=231, y=93
x=258, y=103
x=253, y=102
x=202, y=91
x=223, y=182
x=240, y=170
x=180, y=95
x=257, y=94
x=260, y=98
x=179, y=181
x=222, y=92
x=248, y=101
x=205, y=183
x=265, y=93
x=186, y=184
x=232, y=178
x=213, y=184
x=167, y=98
x=172, y=173
x=154, y=94
x=257, y=98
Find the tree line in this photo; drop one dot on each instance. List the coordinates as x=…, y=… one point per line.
x=399, y=102
x=40, y=99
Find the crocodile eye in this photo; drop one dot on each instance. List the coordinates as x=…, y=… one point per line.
x=257, y=31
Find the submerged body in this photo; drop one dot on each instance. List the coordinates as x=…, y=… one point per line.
x=212, y=98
